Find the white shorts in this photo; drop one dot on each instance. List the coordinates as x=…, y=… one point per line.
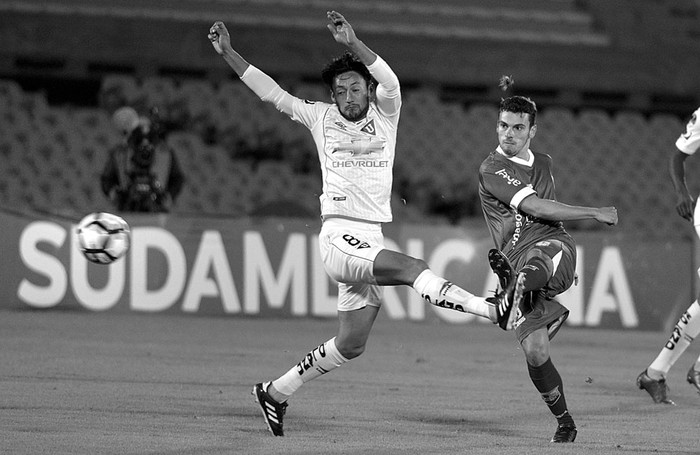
x=348, y=249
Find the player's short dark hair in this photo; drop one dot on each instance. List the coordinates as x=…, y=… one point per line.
x=339, y=65
x=519, y=105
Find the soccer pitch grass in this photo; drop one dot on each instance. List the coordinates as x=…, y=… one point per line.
x=108, y=383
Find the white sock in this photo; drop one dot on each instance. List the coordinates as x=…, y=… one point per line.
x=319, y=361
x=686, y=329
x=440, y=292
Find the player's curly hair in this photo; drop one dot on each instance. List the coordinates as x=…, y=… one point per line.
x=346, y=62
x=519, y=105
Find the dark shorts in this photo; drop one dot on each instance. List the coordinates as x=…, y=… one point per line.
x=563, y=277
x=541, y=313
x=539, y=309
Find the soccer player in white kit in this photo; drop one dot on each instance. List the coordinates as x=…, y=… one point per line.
x=355, y=138
x=653, y=379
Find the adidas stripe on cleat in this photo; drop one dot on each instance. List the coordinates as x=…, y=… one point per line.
x=273, y=412
x=503, y=309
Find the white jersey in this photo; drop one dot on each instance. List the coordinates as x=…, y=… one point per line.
x=689, y=142
x=356, y=158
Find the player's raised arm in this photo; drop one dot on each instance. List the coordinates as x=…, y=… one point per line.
x=221, y=40
x=344, y=34
x=388, y=93
x=260, y=83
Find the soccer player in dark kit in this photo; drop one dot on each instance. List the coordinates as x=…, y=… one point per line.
x=534, y=258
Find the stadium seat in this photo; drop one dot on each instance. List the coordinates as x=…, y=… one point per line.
x=158, y=91
x=11, y=93
x=124, y=86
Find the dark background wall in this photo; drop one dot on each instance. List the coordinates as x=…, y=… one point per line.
x=614, y=54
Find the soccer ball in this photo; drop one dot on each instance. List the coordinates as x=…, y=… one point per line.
x=103, y=237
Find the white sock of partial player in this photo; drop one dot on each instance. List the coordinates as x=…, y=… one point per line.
x=443, y=293
x=319, y=361
x=686, y=329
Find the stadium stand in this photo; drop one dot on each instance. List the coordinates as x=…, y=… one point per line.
x=609, y=131
x=53, y=155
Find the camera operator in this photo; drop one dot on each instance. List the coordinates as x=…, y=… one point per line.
x=142, y=173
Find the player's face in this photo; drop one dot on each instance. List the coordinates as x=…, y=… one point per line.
x=351, y=94
x=514, y=133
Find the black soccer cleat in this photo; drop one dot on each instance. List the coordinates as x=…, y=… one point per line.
x=656, y=388
x=566, y=432
x=273, y=412
x=693, y=378
x=504, y=307
x=503, y=301
x=501, y=267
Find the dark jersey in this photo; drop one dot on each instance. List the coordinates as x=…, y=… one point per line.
x=503, y=184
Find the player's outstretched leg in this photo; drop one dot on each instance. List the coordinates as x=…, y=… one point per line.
x=693, y=377
x=656, y=388
x=566, y=432
x=503, y=300
x=273, y=412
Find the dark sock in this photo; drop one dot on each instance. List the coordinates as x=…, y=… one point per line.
x=548, y=382
x=536, y=274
